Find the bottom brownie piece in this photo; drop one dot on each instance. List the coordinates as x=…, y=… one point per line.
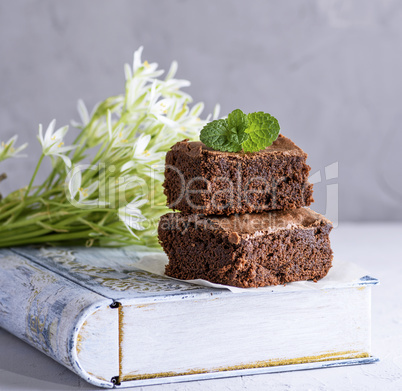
x=250, y=250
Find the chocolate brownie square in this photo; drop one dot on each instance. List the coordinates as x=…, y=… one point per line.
x=201, y=180
x=247, y=250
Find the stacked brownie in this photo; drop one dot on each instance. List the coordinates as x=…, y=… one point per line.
x=243, y=218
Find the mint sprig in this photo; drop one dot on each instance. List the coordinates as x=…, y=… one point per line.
x=250, y=133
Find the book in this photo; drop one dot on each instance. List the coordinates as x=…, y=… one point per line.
x=113, y=318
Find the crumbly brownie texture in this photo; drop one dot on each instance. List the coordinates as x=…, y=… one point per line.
x=247, y=250
x=201, y=180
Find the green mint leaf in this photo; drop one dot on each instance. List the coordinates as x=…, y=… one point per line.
x=250, y=133
x=226, y=134
x=263, y=130
x=238, y=122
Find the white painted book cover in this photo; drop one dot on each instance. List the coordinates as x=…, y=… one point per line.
x=113, y=318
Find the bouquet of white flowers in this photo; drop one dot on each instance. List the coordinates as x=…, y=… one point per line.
x=116, y=198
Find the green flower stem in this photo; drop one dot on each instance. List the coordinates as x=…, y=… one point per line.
x=6, y=237
x=48, y=182
x=34, y=175
x=137, y=125
x=79, y=150
x=113, y=230
x=45, y=215
x=96, y=227
x=8, y=205
x=27, y=203
x=64, y=224
x=7, y=210
x=58, y=237
x=89, y=174
x=14, y=212
x=71, y=215
x=105, y=218
x=19, y=208
x=27, y=235
x=103, y=151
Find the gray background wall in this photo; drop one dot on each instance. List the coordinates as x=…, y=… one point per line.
x=329, y=70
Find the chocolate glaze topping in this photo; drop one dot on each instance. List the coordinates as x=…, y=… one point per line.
x=281, y=144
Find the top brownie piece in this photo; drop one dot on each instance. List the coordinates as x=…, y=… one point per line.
x=201, y=180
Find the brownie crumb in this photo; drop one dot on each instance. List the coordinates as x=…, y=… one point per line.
x=234, y=238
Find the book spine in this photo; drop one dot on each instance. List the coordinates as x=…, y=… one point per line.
x=46, y=310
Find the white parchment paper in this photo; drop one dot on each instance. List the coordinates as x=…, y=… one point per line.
x=341, y=274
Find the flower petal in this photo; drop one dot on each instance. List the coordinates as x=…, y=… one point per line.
x=172, y=71
x=83, y=112
x=141, y=144
x=197, y=109
x=137, y=59
x=65, y=158
x=60, y=133
x=127, y=72
x=74, y=183
x=58, y=149
x=92, y=187
x=216, y=112
x=49, y=132
x=40, y=137
x=109, y=124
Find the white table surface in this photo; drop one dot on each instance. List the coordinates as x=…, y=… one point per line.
x=376, y=247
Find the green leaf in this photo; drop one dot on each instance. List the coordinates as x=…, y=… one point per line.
x=263, y=130
x=238, y=122
x=226, y=134
x=250, y=133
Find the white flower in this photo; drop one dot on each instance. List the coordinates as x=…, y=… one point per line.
x=131, y=215
x=142, y=69
x=142, y=154
x=171, y=87
x=161, y=107
x=52, y=143
x=74, y=186
x=121, y=137
x=84, y=115
x=7, y=149
x=141, y=144
x=97, y=130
